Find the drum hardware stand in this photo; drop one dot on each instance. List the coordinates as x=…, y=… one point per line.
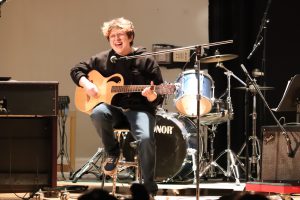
x=210, y=167
x=232, y=168
x=255, y=144
x=212, y=172
x=290, y=151
x=192, y=152
x=89, y=165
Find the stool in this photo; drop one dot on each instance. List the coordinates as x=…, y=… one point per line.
x=121, y=135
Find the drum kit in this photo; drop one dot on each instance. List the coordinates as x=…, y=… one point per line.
x=176, y=132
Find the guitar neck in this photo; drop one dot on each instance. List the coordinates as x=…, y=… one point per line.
x=138, y=88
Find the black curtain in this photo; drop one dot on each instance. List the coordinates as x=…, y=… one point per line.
x=277, y=56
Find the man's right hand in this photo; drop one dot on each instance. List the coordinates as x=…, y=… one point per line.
x=89, y=87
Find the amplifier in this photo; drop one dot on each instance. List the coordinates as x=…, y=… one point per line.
x=28, y=153
x=26, y=98
x=277, y=166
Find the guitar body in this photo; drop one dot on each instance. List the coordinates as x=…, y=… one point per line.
x=85, y=103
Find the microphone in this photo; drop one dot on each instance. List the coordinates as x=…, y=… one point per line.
x=257, y=73
x=113, y=59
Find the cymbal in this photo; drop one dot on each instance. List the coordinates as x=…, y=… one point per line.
x=218, y=58
x=251, y=87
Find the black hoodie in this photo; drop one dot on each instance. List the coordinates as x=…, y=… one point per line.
x=136, y=71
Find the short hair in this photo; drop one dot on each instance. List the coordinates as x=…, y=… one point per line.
x=119, y=23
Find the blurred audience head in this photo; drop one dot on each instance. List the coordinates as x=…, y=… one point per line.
x=97, y=194
x=244, y=196
x=139, y=192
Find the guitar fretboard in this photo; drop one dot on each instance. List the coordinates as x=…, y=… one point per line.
x=160, y=89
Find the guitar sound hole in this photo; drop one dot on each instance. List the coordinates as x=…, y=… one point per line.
x=115, y=79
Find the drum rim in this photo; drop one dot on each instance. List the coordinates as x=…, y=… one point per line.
x=178, y=123
x=205, y=73
x=187, y=115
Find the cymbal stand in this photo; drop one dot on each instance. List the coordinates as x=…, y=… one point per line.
x=255, y=144
x=232, y=168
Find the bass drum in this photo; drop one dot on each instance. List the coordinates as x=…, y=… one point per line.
x=176, y=140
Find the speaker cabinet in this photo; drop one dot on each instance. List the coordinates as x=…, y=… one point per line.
x=277, y=166
x=28, y=98
x=28, y=135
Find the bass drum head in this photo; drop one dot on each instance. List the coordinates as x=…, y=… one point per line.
x=172, y=133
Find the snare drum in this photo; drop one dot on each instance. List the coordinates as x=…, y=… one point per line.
x=187, y=90
x=219, y=114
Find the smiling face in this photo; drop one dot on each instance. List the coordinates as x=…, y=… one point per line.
x=120, y=41
x=120, y=34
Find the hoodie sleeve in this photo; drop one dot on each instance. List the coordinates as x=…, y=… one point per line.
x=84, y=67
x=154, y=74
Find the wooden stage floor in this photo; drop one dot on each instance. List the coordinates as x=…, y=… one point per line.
x=209, y=190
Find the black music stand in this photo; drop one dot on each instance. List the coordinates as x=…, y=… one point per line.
x=290, y=100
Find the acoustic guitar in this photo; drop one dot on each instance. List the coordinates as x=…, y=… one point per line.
x=110, y=86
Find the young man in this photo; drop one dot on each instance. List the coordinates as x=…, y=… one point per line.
x=137, y=108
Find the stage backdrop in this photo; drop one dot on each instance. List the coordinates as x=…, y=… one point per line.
x=276, y=56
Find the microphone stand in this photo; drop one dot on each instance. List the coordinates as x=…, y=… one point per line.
x=259, y=37
x=263, y=63
x=114, y=59
x=284, y=133
x=197, y=70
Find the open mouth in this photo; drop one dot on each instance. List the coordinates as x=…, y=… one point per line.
x=118, y=44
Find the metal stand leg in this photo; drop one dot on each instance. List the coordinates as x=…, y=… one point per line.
x=212, y=172
x=89, y=166
x=232, y=168
x=123, y=164
x=254, y=159
x=210, y=167
x=192, y=152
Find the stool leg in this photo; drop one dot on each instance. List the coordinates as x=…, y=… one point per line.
x=121, y=137
x=114, y=185
x=103, y=181
x=137, y=169
x=138, y=164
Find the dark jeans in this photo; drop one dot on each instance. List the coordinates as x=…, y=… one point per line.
x=105, y=117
